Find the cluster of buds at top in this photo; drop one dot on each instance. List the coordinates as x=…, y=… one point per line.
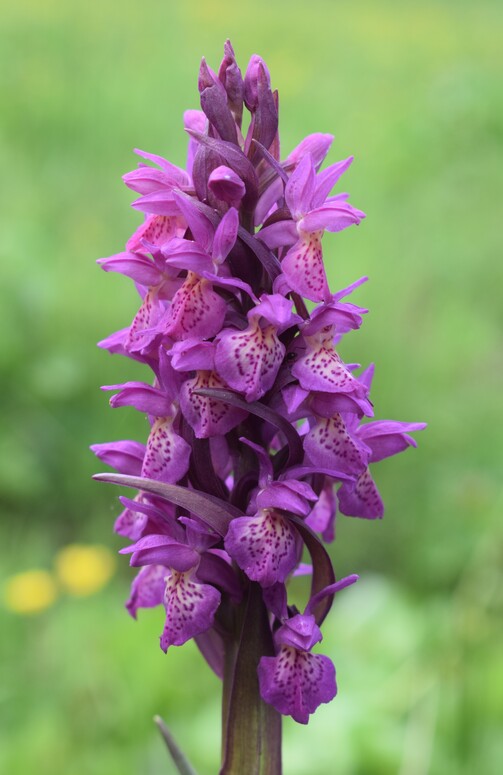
x=256, y=434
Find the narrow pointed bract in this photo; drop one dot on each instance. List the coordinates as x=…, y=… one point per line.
x=259, y=431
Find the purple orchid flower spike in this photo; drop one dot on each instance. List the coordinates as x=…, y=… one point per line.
x=258, y=432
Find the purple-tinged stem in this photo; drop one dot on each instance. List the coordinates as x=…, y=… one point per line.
x=251, y=729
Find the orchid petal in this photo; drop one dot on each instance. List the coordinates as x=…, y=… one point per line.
x=326, y=180
x=300, y=187
x=266, y=546
x=304, y=269
x=296, y=682
x=125, y=456
x=333, y=216
x=147, y=589
x=329, y=444
x=196, y=311
x=360, y=498
x=225, y=235
x=190, y=608
x=167, y=454
x=249, y=360
x=208, y=416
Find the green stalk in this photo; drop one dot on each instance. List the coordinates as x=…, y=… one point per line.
x=251, y=729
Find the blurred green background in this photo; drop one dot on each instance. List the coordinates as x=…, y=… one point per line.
x=413, y=90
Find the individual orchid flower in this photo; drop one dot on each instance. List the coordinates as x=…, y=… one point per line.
x=313, y=214
x=249, y=360
x=296, y=681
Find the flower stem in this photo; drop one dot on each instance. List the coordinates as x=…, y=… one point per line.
x=251, y=729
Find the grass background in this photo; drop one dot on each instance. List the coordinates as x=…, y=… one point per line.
x=413, y=90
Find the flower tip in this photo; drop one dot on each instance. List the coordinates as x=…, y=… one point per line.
x=228, y=49
x=204, y=79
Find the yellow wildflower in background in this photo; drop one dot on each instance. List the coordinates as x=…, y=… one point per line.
x=83, y=570
x=30, y=592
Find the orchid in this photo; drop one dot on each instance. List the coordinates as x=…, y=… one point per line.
x=258, y=432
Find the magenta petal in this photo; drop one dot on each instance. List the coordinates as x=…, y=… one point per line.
x=304, y=269
x=190, y=608
x=333, y=216
x=142, y=332
x=147, y=589
x=130, y=523
x=207, y=416
x=296, y=682
x=267, y=202
x=322, y=517
x=192, y=355
x=125, y=456
x=249, y=360
x=146, y=179
x=300, y=187
x=360, y=498
x=329, y=445
x=317, y=145
x=321, y=369
x=266, y=546
x=159, y=203
x=326, y=180
x=200, y=226
x=186, y=254
x=154, y=549
x=388, y=437
x=286, y=495
x=167, y=455
x=196, y=311
x=276, y=310
x=279, y=234
x=225, y=235
x=135, y=265
x=144, y=398
x=300, y=631
x=177, y=175
x=197, y=121
x=328, y=404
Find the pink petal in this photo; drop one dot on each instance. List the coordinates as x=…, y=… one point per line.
x=326, y=180
x=147, y=589
x=317, y=145
x=360, y=498
x=333, y=216
x=207, y=416
x=304, y=269
x=156, y=230
x=322, y=369
x=142, y=330
x=196, y=311
x=300, y=187
x=249, y=360
x=322, y=517
x=190, y=608
x=167, y=455
x=329, y=445
x=266, y=546
x=225, y=235
x=296, y=682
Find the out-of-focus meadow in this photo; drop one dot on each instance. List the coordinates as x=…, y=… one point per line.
x=414, y=91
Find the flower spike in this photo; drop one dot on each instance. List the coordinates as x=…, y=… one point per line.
x=259, y=433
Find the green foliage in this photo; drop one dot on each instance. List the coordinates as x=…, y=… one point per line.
x=413, y=90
